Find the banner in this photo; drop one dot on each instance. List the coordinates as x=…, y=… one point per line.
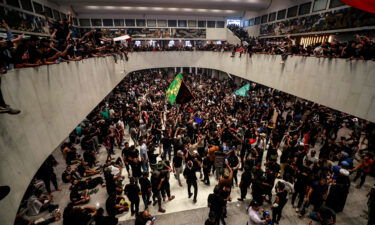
x=178, y=92
x=365, y=5
x=243, y=90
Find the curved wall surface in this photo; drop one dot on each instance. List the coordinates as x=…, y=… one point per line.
x=55, y=98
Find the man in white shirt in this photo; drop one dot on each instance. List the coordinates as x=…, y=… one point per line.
x=254, y=214
x=144, y=156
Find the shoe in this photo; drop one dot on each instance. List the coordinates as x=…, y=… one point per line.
x=132, y=214
x=171, y=198
x=9, y=110
x=195, y=201
x=240, y=199
x=297, y=210
x=150, y=202
x=155, y=202
x=190, y=195
x=162, y=210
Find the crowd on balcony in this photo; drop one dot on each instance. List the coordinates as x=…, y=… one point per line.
x=64, y=44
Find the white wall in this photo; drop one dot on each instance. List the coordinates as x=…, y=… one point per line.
x=232, y=38
x=216, y=34
x=55, y=98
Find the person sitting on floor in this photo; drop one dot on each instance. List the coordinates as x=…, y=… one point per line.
x=116, y=204
x=38, y=203
x=85, y=171
x=70, y=174
x=79, y=197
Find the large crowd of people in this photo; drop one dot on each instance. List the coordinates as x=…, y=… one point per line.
x=277, y=149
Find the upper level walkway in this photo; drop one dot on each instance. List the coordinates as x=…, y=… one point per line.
x=55, y=98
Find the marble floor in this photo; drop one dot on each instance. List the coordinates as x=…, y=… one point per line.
x=182, y=211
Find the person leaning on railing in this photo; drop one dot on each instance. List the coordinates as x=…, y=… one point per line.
x=6, y=63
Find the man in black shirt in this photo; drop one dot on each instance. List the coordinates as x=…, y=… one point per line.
x=125, y=156
x=279, y=203
x=245, y=182
x=166, y=141
x=206, y=164
x=301, y=184
x=156, y=182
x=191, y=180
x=145, y=189
x=234, y=164
x=216, y=203
x=132, y=191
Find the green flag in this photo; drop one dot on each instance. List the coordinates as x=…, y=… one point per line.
x=178, y=92
x=173, y=89
x=243, y=90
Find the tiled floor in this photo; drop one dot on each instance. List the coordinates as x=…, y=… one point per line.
x=182, y=211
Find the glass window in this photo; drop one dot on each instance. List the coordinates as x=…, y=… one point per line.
x=130, y=22
x=108, y=22
x=335, y=3
x=162, y=23
x=234, y=21
x=56, y=15
x=251, y=22
x=264, y=19
x=171, y=43
x=172, y=23
x=26, y=5
x=246, y=23
x=201, y=23
x=304, y=9
x=96, y=22
x=38, y=8
x=257, y=20
x=320, y=5
x=48, y=11
x=211, y=24
x=84, y=22
x=141, y=23
x=119, y=22
x=14, y=3
x=281, y=14
x=292, y=11
x=220, y=24
x=182, y=23
x=151, y=23
x=192, y=23
x=272, y=17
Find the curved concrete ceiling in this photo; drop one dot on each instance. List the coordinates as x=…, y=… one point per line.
x=192, y=7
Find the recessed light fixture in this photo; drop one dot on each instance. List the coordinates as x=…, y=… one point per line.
x=171, y=9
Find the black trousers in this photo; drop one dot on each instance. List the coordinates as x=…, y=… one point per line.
x=134, y=207
x=166, y=190
x=206, y=177
x=301, y=195
x=276, y=213
x=194, y=184
x=362, y=175
x=2, y=102
x=235, y=172
x=47, y=181
x=156, y=196
x=243, y=189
